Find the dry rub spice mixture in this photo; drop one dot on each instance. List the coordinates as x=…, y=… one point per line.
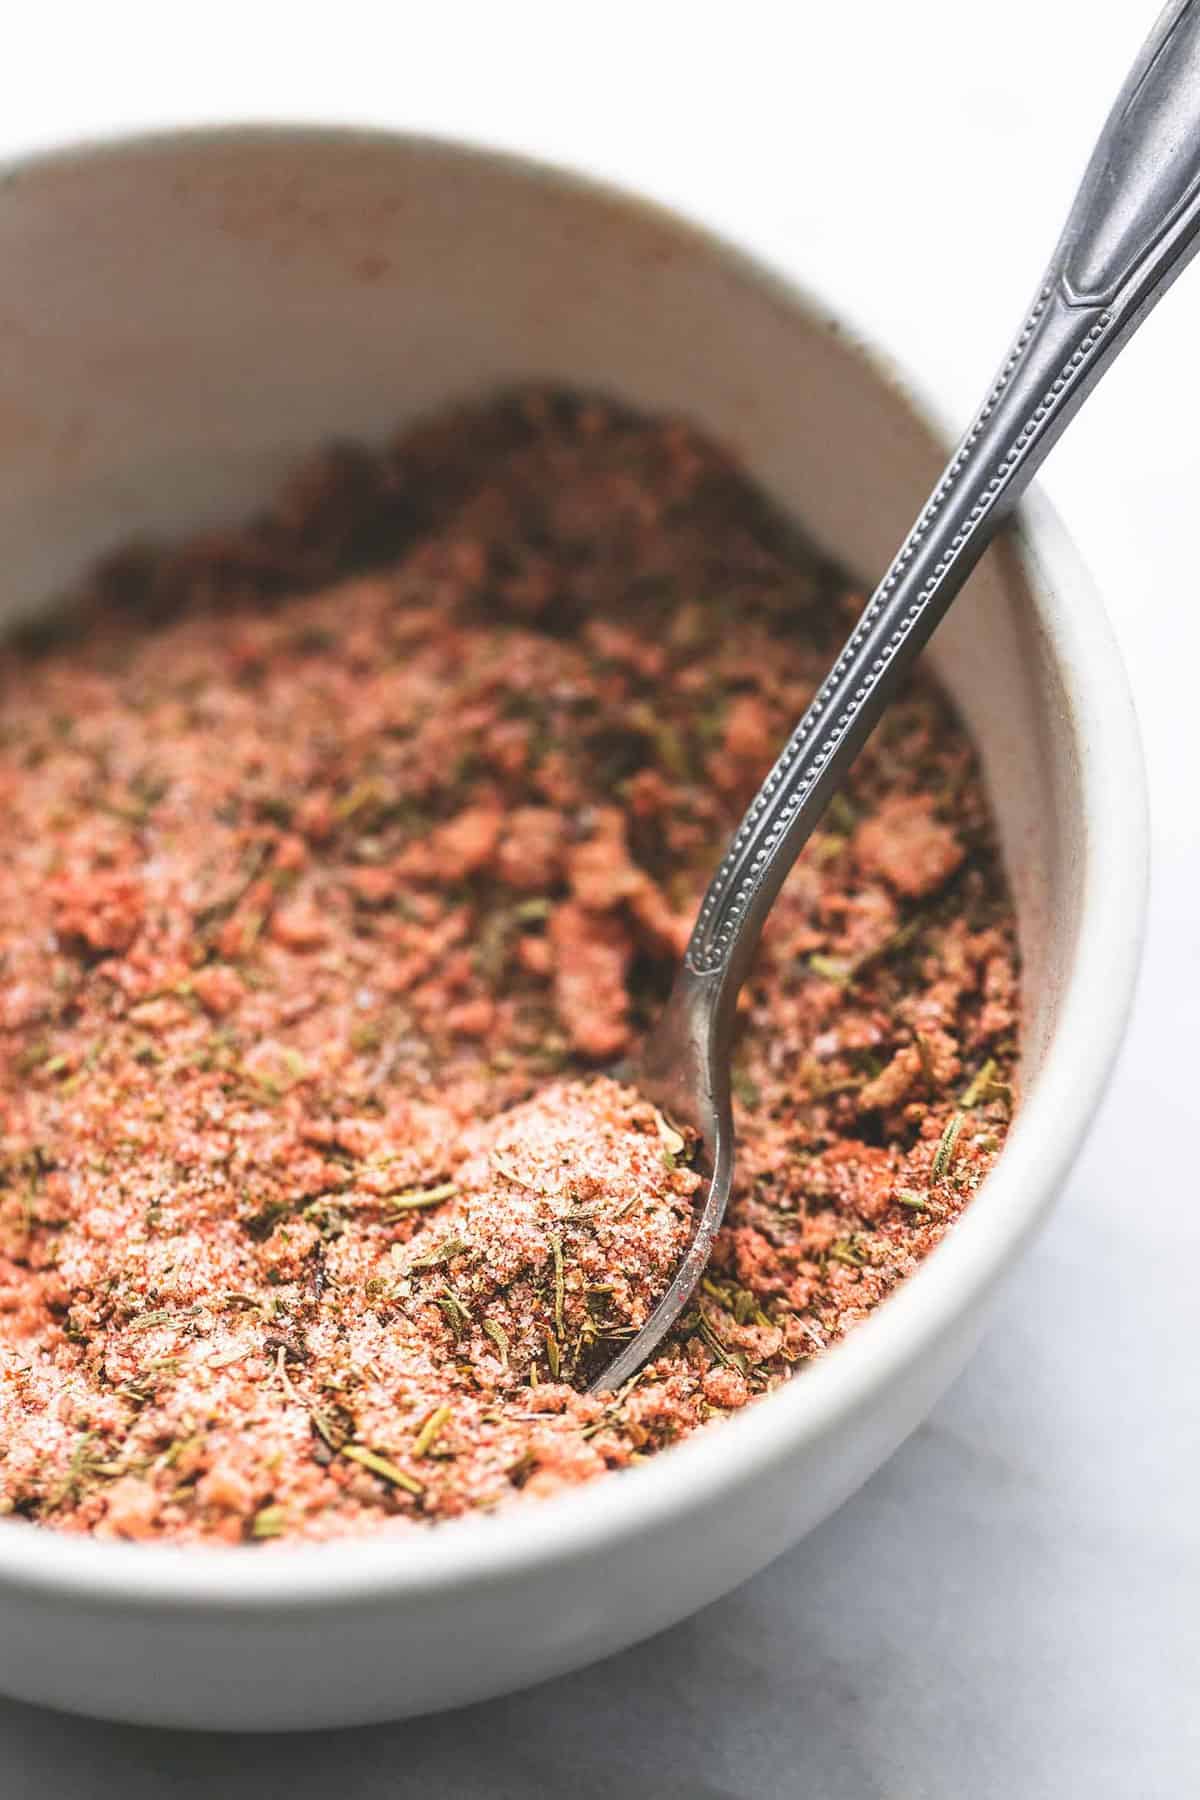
x=340, y=853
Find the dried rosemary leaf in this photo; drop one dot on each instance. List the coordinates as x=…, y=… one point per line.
x=510, y=1174
x=560, y=1285
x=148, y=1320
x=943, y=1156
x=431, y=1430
x=324, y=1427
x=414, y=1198
x=383, y=1467
x=910, y=1198
x=840, y=816
x=553, y=1355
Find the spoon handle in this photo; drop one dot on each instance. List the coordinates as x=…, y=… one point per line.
x=1134, y=225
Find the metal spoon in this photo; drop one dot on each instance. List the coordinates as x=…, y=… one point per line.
x=1134, y=225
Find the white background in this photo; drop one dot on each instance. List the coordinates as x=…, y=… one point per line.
x=1010, y=1609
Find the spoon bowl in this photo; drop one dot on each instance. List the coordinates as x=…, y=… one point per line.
x=683, y=1068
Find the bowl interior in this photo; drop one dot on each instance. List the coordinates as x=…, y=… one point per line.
x=182, y=319
x=335, y=284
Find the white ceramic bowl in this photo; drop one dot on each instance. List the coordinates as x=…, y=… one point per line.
x=181, y=317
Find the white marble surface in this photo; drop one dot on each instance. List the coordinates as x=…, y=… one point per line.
x=1009, y=1610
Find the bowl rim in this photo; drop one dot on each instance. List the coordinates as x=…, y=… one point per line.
x=709, y=1467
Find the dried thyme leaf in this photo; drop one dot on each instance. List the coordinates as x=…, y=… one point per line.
x=846, y=974
x=366, y=797
x=436, y=1255
x=499, y=1337
x=732, y=1359
x=613, y=1410
x=927, y=1069
x=453, y=1310
x=745, y=1088
x=524, y=1466
x=840, y=816
x=982, y=1081
x=985, y=1087
x=579, y=1215
x=830, y=969
x=383, y=1467
x=82, y=1464
x=899, y=940
x=365, y=1037
x=231, y=1297
x=747, y=1311
x=268, y=1522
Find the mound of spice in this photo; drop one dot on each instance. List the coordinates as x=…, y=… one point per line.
x=341, y=852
